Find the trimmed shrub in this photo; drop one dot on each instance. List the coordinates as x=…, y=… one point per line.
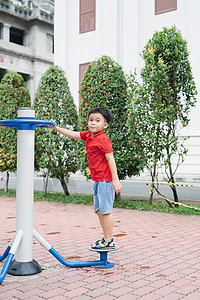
x=104, y=84
x=55, y=153
x=14, y=95
x=162, y=103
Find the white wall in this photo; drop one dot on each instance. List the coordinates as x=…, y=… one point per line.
x=123, y=27
x=186, y=18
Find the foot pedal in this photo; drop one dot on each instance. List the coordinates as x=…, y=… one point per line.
x=103, y=257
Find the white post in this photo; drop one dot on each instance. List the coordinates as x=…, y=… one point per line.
x=24, y=264
x=25, y=188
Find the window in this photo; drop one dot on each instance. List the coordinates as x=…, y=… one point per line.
x=1, y=31
x=26, y=77
x=16, y=36
x=87, y=15
x=2, y=73
x=162, y=6
x=82, y=69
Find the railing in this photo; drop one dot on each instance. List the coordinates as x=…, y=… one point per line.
x=26, y=13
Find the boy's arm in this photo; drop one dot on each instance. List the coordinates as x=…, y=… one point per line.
x=69, y=133
x=111, y=161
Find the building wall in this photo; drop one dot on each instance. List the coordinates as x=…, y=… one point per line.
x=123, y=27
x=34, y=57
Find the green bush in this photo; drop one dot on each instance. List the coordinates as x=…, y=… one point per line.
x=104, y=84
x=162, y=102
x=54, y=152
x=13, y=95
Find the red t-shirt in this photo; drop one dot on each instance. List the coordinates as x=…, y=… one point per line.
x=97, y=146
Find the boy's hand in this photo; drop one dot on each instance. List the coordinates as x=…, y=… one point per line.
x=53, y=126
x=117, y=186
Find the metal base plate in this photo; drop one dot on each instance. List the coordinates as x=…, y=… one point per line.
x=107, y=265
x=103, y=250
x=24, y=268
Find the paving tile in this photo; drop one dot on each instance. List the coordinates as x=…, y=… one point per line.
x=82, y=297
x=181, y=282
x=187, y=289
x=158, y=256
x=104, y=297
x=145, y=290
x=160, y=283
x=192, y=296
x=150, y=296
x=120, y=291
x=164, y=291
x=75, y=292
x=52, y=293
x=128, y=297
x=99, y=292
x=174, y=296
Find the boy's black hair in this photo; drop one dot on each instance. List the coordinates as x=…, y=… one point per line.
x=103, y=111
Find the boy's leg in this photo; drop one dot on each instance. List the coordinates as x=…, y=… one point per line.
x=106, y=222
x=103, y=204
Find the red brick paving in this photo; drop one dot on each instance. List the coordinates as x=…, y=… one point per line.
x=158, y=256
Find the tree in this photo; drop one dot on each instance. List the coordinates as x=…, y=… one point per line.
x=54, y=152
x=104, y=84
x=161, y=104
x=13, y=95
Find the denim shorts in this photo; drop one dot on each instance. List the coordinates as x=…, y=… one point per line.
x=103, y=197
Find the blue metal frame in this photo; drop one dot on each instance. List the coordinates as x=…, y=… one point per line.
x=101, y=264
x=30, y=123
x=20, y=123
x=5, y=254
x=6, y=266
x=26, y=123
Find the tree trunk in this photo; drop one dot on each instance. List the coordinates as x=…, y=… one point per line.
x=175, y=194
x=118, y=197
x=171, y=179
x=154, y=167
x=46, y=182
x=152, y=180
x=64, y=186
x=173, y=187
x=7, y=180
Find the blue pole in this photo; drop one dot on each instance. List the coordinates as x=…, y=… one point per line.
x=5, y=254
x=77, y=264
x=6, y=266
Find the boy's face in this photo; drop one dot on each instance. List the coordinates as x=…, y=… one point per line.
x=96, y=123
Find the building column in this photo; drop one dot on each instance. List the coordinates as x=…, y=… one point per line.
x=25, y=39
x=6, y=32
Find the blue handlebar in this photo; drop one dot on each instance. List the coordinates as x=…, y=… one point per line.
x=26, y=123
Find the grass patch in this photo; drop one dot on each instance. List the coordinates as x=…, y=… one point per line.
x=9, y=194
x=60, y=197
x=158, y=206
x=83, y=199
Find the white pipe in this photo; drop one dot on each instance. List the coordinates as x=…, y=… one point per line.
x=25, y=187
x=41, y=240
x=11, y=242
x=16, y=242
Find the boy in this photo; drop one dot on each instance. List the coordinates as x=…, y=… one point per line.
x=102, y=168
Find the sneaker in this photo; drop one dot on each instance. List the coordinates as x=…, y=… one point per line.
x=103, y=244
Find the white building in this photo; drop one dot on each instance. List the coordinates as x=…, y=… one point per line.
x=87, y=29
x=26, y=39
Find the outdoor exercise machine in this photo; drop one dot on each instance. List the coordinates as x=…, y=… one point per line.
x=21, y=245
